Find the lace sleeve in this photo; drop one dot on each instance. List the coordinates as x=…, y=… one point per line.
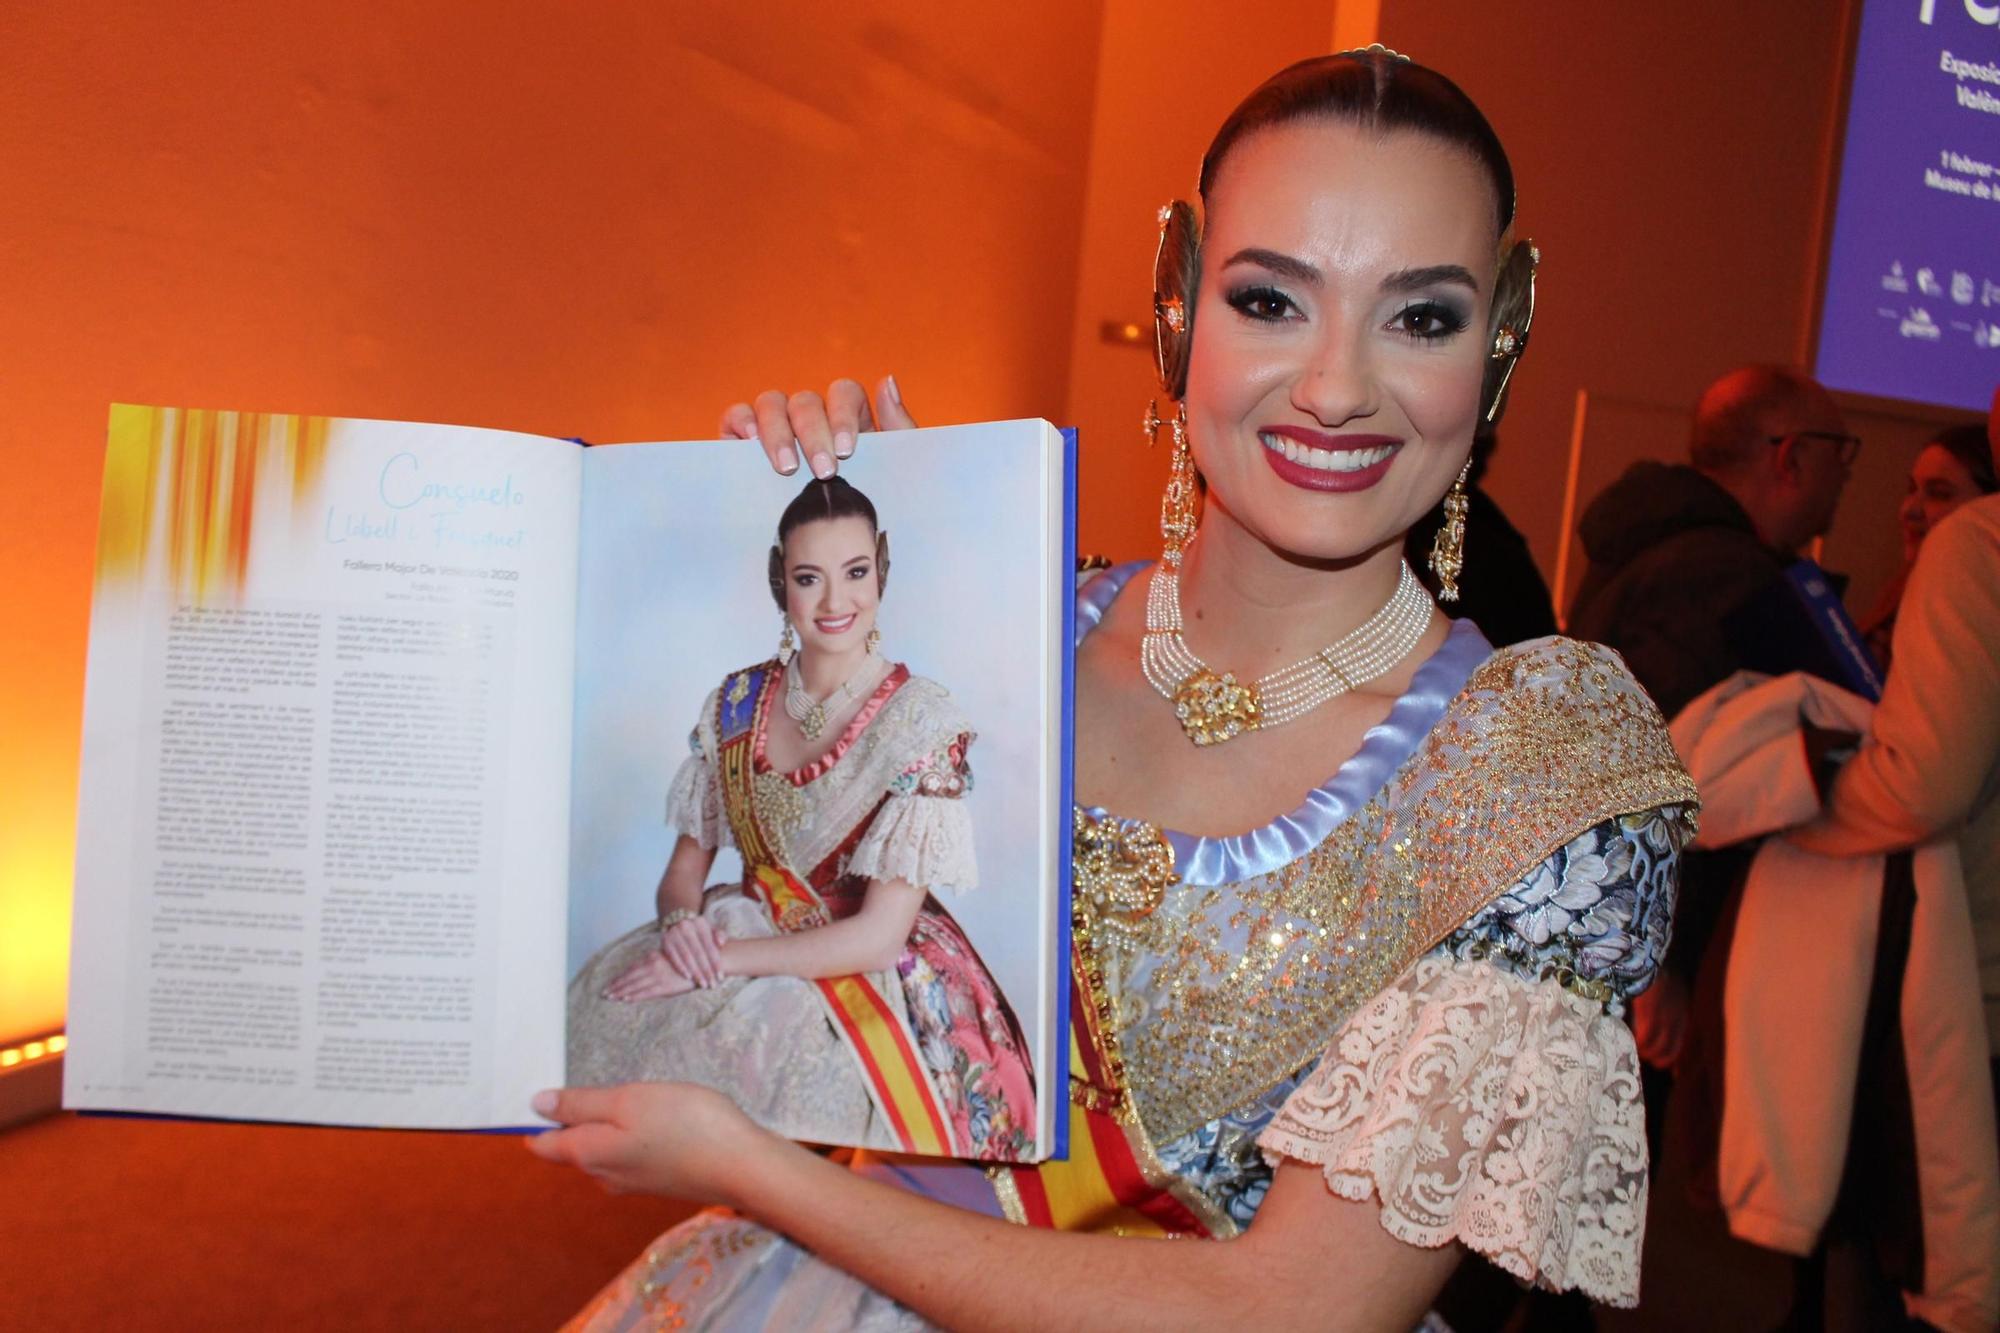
x=694, y=801
x=923, y=832
x=1481, y=1107
x=1491, y=1094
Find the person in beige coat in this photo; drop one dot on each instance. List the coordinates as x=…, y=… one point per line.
x=1931, y=764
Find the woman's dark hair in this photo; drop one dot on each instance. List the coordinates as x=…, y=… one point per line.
x=1974, y=452
x=836, y=497
x=1374, y=89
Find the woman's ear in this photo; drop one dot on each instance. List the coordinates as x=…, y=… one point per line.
x=1513, y=314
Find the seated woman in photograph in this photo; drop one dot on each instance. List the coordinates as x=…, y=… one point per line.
x=1358, y=900
x=1955, y=466
x=829, y=995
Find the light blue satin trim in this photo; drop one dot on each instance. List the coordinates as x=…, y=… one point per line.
x=1094, y=598
x=1383, y=750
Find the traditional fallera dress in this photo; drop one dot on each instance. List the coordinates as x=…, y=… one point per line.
x=1414, y=981
x=922, y=1057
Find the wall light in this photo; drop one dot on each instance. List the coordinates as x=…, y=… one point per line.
x=41, y=1048
x=31, y=1078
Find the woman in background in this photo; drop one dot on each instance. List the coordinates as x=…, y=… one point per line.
x=1955, y=466
x=829, y=995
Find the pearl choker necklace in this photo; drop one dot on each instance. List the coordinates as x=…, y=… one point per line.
x=810, y=713
x=1213, y=707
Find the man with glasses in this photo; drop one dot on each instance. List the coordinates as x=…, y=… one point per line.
x=1680, y=552
x=1694, y=575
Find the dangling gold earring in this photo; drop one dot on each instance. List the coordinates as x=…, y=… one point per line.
x=786, y=645
x=1448, y=550
x=1178, y=515
x=874, y=641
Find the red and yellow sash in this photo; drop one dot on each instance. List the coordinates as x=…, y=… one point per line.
x=1111, y=1181
x=877, y=1034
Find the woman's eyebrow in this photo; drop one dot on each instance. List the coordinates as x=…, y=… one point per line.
x=1282, y=264
x=1415, y=279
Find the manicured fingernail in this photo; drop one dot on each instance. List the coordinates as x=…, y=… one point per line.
x=843, y=445
x=822, y=466
x=895, y=394
x=543, y=1102
x=788, y=459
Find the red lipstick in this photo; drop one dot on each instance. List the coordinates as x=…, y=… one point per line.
x=1312, y=446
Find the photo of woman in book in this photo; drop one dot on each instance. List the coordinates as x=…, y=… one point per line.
x=829, y=994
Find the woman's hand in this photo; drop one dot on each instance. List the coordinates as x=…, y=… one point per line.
x=651, y=978
x=824, y=429
x=676, y=1139
x=694, y=947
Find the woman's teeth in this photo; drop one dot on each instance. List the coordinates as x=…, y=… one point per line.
x=1327, y=460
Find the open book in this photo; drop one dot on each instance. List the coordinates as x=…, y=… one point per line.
x=390, y=729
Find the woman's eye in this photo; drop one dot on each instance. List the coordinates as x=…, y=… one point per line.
x=1264, y=304
x=857, y=571
x=805, y=580
x=1428, y=320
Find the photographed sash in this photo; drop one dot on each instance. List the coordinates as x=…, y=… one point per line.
x=874, y=1030
x=1111, y=1181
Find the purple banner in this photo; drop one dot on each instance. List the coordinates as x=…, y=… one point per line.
x=1912, y=306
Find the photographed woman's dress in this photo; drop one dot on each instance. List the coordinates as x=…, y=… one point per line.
x=925, y=1056
x=1415, y=981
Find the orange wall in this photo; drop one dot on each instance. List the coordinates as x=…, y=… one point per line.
x=596, y=220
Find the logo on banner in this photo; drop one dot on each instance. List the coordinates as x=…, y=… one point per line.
x=1974, y=10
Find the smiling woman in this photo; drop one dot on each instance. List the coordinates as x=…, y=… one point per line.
x=829, y=994
x=1357, y=906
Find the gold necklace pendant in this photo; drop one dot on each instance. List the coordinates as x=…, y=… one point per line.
x=1214, y=708
x=813, y=722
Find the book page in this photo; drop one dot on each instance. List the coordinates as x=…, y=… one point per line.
x=324, y=797
x=958, y=1048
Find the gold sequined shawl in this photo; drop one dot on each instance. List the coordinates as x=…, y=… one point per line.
x=1207, y=996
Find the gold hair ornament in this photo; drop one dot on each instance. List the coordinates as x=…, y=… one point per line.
x=1513, y=316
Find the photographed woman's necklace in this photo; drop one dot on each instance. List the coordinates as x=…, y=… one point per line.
x=1213, y=707
x=811, y=714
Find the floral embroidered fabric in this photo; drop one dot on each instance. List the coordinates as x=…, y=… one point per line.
x=1620, y=878
x=923, y=832
x=1481, y=1107
x=694, y=800
x=1599, y=911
